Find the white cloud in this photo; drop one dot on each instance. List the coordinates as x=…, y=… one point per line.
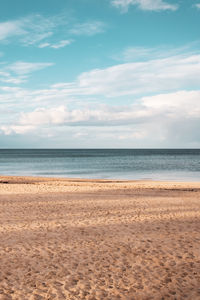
x=30, y=30
x=170, y=83
x=151, y=5
x=18, y=129
x=39, y=27
x=61, y=44
x=10, y=89
x=58, y=45
x=138, y=53
x=6, y=77
x=18, y=72
x=150, y=53
x=130, y=79
x=42, y=31
x=198, y=5
x=153, y=76
x=9, y=29
x=44, y=45
x=13, y=80
x=4, y=74
x=56, y=115
x=36, y=38
x=22, y=68
x=182, y=104
x=88, y=28
x=160, y=118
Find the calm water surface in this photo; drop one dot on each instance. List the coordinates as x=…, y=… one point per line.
x=157, y=164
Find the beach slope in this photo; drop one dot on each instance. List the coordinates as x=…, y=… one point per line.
x=98, y=239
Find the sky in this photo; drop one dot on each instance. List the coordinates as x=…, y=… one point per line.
x=100, y=74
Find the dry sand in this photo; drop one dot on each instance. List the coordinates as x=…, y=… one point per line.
x=93, y=239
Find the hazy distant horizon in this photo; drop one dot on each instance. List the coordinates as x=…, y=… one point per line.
x=99, y=148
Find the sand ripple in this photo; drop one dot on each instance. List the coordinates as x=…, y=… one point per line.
x=99, y=240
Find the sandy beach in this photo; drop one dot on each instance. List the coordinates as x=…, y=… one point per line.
x=99, y=239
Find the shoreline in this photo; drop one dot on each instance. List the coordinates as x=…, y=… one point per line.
x=158, y=177
x=81, y=179
x=98, y=239
x=39, y=185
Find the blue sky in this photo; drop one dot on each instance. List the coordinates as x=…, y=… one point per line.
x=99, y=74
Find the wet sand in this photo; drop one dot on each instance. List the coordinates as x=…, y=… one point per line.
x=98, y=239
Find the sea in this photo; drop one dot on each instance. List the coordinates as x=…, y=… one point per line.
x=124, y=164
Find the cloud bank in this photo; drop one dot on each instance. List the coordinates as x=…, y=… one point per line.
x=160, y=117
x=97, y=102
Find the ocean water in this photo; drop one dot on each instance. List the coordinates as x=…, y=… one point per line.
x=155, y=164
